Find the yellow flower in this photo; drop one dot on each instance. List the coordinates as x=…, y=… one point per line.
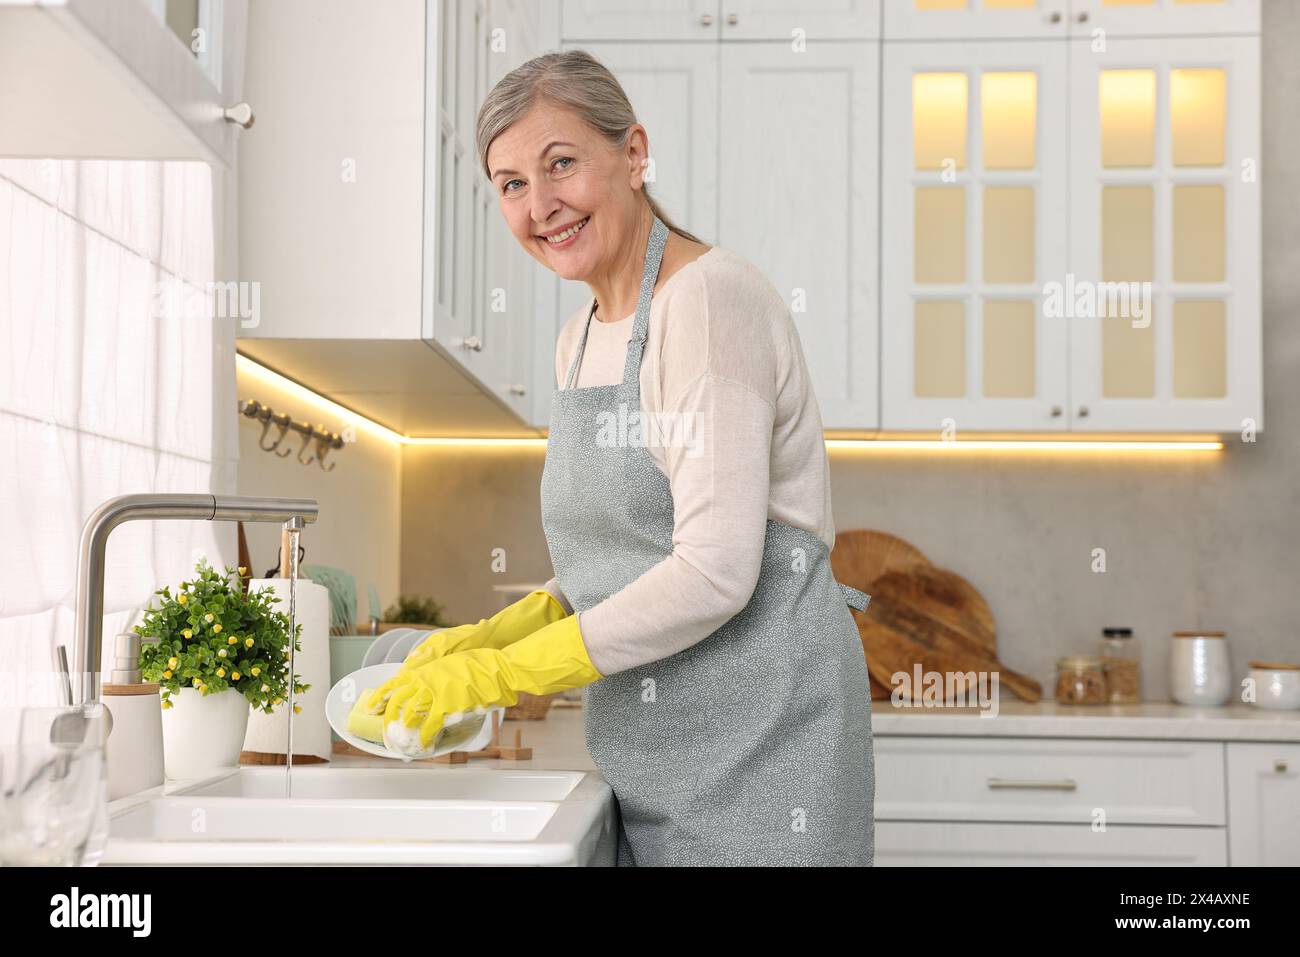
x=248, y=642
x=221, y=653
x=243, y=570
x=208, y=616
x=172, y=662
x=167, y=674
x=234, y=676
x=216, y=629
x=187, y=633
x=255, y=672
x=166, y=704
x=231, y=640
x=221, y=672
x=277, y=702
x=266, y=688
x=197, y=683
x=297, y=709
x=182, y=598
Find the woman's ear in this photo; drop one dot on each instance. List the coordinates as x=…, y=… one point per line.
x=638, y=155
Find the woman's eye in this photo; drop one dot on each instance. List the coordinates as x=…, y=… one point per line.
x=506, y=187
x=562, y=159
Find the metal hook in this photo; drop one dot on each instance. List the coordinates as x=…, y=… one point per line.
x=323, y=446
x=306, y=441
x=284, y=430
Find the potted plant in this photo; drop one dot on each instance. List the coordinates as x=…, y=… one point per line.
x=214, y=652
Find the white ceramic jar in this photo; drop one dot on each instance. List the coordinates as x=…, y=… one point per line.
x=1277, y=685
x=1200, y=671
x=203, y=734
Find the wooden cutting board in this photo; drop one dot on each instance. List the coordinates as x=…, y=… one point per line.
x=933, y=617
x=860, y=556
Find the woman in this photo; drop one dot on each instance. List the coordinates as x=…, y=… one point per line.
x=726, y=699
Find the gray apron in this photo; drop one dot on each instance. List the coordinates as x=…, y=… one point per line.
x=752, y=746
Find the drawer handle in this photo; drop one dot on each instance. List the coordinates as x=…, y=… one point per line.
x=1066, y=784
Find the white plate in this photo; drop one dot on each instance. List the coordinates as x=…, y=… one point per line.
x=406, y=644
x=339, y=702
x=377, y=653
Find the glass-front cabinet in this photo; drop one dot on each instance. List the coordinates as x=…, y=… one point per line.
x=1005, y=19
x=974, y=212
x=1071, y=235
x=1164, y=223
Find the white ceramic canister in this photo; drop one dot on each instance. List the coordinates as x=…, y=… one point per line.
x=1200, y=671
x=1277, y=685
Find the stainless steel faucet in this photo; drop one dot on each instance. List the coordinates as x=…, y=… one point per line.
x=128, y=508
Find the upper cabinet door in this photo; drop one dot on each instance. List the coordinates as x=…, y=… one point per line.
x=673, y=88
x=793, y=20
x=638, y=20
x=799, y=143
x=973, y=230
x=1166, y=18
x=1165, y=235
x=975, y=19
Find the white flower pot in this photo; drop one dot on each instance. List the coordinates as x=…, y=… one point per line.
x=203, y=735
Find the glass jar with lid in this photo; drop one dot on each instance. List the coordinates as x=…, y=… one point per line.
x=1120, y=663
x=1080, y=679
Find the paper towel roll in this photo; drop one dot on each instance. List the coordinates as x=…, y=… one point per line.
x=269, y=733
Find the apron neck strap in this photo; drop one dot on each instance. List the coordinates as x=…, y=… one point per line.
x=654, y=255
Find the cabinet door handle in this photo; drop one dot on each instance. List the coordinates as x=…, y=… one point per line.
x=706, y=20
x=1083, y=17
x=1054, y=18
x=732, y=19
x=1065, y=784
x=1056, y=411
x=1279, y=766
x=1083, y=411
x=518, y=390
x=468, y=342
x=241, y=114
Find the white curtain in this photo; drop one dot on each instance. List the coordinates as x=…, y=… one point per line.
x=109, y=365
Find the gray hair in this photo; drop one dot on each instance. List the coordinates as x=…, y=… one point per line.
x=573, y=79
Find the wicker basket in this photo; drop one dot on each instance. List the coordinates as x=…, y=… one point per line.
x=530, y=707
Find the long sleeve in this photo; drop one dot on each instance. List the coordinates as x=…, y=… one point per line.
x=553, y=586
x=719, y=345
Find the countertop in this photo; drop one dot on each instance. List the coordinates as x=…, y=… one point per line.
x=1047, y=719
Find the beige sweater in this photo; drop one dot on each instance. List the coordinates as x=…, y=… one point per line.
x=727, y=396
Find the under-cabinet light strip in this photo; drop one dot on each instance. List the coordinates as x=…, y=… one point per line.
x=349, y=416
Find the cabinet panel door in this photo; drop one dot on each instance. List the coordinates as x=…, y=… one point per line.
x=795, y=20
x=673, y=88
x=973, y=226
x=975, y=19
x=638, y=20
x=1164, y=18
x=933, y=844
x=1165, y=236
x=799, y=199
x=1264, y=804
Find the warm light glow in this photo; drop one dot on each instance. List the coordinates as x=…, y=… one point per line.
x=254, y=369
x=1128, y=117
x=939, y=120
x=1023, y=445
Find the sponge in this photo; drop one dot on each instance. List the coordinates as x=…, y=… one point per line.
x=363, y=724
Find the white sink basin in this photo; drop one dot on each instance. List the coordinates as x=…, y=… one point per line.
x=409, y=815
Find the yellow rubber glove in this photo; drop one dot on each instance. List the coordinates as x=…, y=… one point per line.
x=535, y=610
x=549, y=660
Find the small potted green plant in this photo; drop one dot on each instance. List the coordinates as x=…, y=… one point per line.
x=214, y=652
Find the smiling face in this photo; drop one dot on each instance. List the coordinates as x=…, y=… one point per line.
x=569, y=197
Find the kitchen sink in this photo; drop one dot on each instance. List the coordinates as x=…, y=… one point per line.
x=420, y=815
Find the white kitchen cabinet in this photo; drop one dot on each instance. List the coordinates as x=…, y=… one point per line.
x=719, y=19
x=357, y=273
x=794, y=20
x=799, y=144
x=1163, y=18
x=115, y=79
x=962, y=844
x=673, y=88
x=637, y=20
x=975, y=19
x=1165, y=147
x=1264, y=804
x=974, y=199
